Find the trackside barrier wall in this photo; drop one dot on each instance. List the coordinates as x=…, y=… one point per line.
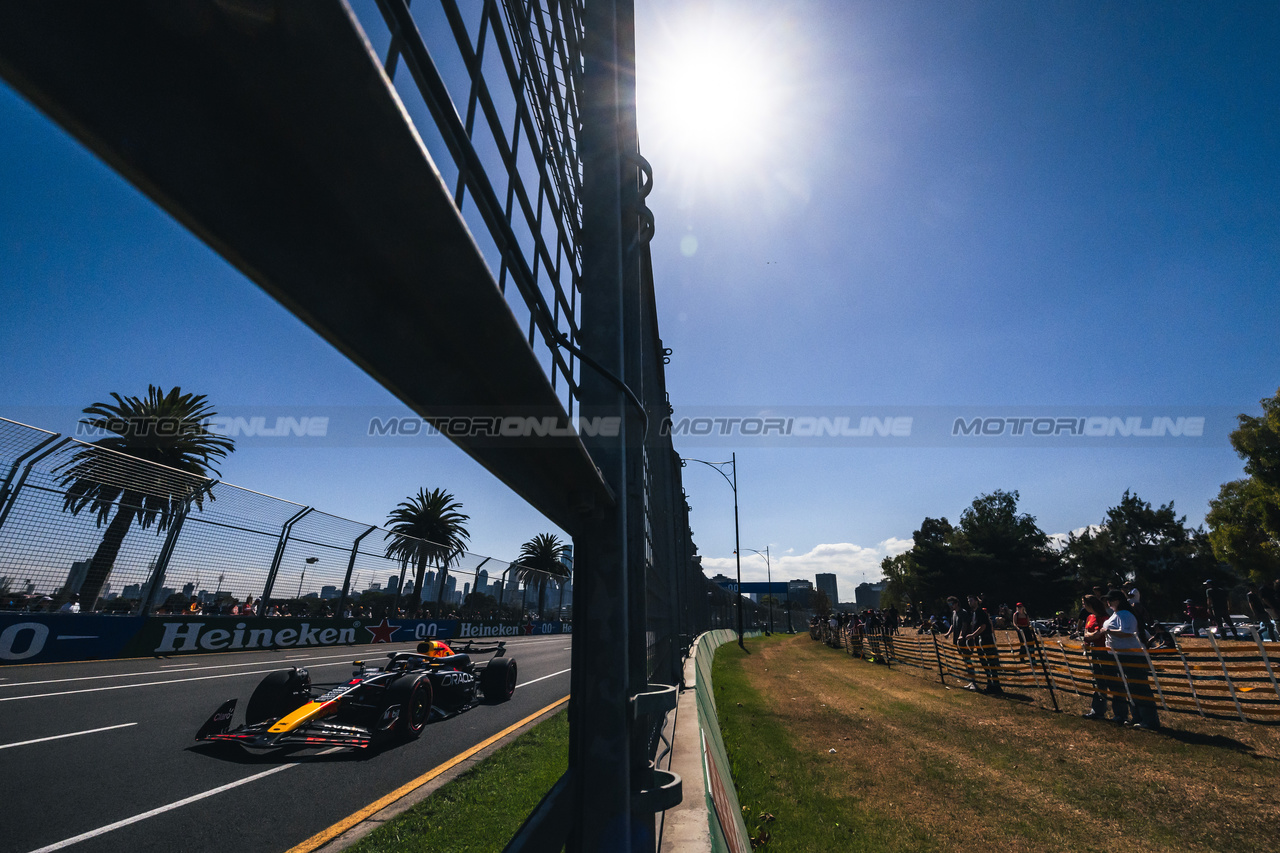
x=1212, y=677
x=59, y=637
x=714, y=821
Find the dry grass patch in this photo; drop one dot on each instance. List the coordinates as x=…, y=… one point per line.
x=921, y=767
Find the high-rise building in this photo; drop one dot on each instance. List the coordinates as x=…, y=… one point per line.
x=393, y=583
x=868, y=594
x=800, y=591
x=75, y=577
x=827, y=583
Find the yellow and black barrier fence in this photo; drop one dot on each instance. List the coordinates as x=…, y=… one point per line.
x=1211, y=677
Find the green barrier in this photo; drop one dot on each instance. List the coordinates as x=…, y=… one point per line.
x=728, y=830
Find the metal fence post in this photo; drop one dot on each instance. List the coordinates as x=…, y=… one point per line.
x=147, y=600
x=1266, y=661
x=1191, y=682
x=9, y=496
x=1039, y=649
x=1213, y=641
x=1067, y=663
x=351, y=564
x=938, y=656
x=279, y=556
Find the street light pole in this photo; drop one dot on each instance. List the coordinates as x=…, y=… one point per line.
x=309, y=561
x=768, y=574
x=733, y=484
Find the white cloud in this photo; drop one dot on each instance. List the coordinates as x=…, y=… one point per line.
x=851, y=564
x=1058, y=541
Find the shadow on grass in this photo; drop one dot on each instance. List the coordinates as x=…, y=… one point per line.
x=1215, y=741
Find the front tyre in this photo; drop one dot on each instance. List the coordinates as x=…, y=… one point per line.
x=412, y=695
x=498, y=679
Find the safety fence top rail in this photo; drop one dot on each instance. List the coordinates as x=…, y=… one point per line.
x=1208, y=677
x=93, y=528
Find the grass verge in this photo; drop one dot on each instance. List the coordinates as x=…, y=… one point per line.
x=919, y=767
x=479, y=811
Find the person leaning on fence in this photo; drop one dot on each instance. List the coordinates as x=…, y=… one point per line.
x=1095, y=647
x=959, y=619
x=1219, y=609
x=1266, y=627
x=1129, y=664
x=982, y=636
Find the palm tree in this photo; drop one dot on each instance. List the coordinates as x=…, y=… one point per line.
x=432, y=532
x=540, y=560
x=167, y=429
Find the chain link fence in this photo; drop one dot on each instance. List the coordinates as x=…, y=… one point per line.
x=220, y=548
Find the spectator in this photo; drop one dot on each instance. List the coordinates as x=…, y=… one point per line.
x=982, y=636
x=1270, y=595
x=1265, y=626
x=72, y=604
x=959, y=619
x=1095, y=646
x=1219, y=610
x=1022, y=624
x=1198, y=616
x=1130, y=665
x=1135, y=597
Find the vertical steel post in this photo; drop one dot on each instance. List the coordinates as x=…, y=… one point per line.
x=599, y=730
x=736, y=548
x=147, y=600
x=351, y=564
x=285, y=529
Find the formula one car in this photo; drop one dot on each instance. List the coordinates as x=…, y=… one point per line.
x=377, y=705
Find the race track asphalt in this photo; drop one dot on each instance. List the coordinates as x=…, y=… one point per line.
x=57, y=790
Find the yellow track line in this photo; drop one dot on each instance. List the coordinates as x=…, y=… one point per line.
x=325, y=836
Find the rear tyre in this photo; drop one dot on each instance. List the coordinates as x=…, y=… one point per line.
x=412, y=694
x=277, y=695
x=498, y=679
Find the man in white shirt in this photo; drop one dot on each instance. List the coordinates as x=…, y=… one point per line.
x=1131, y=666
x=72, y=605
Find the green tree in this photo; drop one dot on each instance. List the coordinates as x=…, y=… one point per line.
x=1007, y=554
x=900, y=572
x=167, y=429
x=994, y=549
x=542, y=559
x=1244, y=520
x=432, y=532
x=1150, y=545
x=1238, y=531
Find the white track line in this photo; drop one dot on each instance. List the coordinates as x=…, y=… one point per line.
x=543, y=678
x=179, y=804
x=70, y=734
x=162, y=671
x=149, y=683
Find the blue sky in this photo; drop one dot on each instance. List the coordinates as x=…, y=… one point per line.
x=938, y=205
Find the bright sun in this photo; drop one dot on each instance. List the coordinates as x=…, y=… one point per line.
x=712, y=97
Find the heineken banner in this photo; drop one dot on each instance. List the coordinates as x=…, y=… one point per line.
x=53, y=637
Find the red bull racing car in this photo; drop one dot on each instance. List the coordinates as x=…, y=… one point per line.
x=376, y=705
